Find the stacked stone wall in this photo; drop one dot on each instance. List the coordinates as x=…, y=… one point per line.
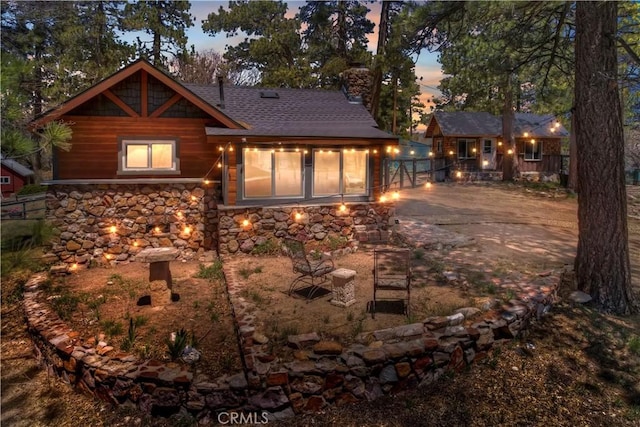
x=324, y=373
x=113, y=222
x=367, y=222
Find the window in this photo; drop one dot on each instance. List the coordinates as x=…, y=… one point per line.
x=270, y=173
x=533, y=150
x=149, y=156
x=466, y=149
x=438, y=146
x=340, y=172
x=487, y=146
x=5, y=180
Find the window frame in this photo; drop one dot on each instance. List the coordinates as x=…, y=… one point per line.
x=273, y=173
x=468, y=149
x=531, y=155
x=5, y=179
x=124, y=142
x=341, y=178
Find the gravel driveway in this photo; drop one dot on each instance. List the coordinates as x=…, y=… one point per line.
x=510, y=223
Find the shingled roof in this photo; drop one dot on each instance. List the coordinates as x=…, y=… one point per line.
x=479, y=124
x=16, y=167
x=290, y=112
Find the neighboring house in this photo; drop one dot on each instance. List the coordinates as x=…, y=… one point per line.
x=14, y=176
x=472, y=142
x=158, y=163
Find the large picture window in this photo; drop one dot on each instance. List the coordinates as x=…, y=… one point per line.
x=148, y=156
x=270, y=173
x=340, y=172
x=466, y=149
x=533, y=151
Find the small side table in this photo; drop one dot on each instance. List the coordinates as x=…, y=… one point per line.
x=158, y=259
x=344, y=287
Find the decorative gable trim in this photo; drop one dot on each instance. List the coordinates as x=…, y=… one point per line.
x=146, y=69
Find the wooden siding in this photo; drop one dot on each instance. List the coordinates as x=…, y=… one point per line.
x=15, y=184
x=94, y=152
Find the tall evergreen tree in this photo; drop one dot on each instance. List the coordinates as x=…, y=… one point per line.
x=335, y=37
x=166, y=22
x=273, y=45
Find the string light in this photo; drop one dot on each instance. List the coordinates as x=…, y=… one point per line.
x=395, y=195
x=343, y=207
x=220, y=149
x=451, y=152
x=526, y=134
x=375, y=151
x=458, y=174
x=412, y=152
x=219, y=164
x=383, y=198
x=207, y=182
x=231, y=148
x=499, y=143
x=533, y=141
x=509, y=151
x=430, y=153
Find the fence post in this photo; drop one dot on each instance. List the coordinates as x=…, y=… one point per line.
x=415, y=173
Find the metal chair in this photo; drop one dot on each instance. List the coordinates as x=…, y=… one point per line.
x=311, y=273
x=392, y=272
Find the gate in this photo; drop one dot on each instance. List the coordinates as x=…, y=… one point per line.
x=406, y=173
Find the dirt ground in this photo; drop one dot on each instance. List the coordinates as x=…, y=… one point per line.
x=108, y=299
x=577, y=367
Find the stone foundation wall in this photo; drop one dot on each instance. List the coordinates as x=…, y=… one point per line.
x=367, y=222
x=105, y=223
x=324, y=372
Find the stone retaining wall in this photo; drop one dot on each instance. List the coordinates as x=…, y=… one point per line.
x=107, y=223
x=364, y=222
x=111, y=223
x=324, y=373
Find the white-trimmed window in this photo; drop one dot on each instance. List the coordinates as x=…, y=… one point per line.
x=272, y=173
x=5, y=180
x=533, y=150
x=155, y=156
x=466, y=149
x=340, y=172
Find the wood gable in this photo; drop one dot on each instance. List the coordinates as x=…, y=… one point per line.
x=138, y=91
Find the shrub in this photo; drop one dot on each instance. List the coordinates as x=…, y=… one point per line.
x=634, y=345
x=32, y=189
x=65, y=305
x=268, y=247
x=112, y=328
x=177, y=345
x=211, y=272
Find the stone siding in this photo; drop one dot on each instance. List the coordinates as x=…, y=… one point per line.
x=142, y=216
x=366, y=222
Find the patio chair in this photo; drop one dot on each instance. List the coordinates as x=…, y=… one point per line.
x=392, y=277
x=311, y=273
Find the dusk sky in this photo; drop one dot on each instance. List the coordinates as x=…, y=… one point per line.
x=427, y=66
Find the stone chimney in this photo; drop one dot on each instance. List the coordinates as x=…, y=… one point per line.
x=357, y=82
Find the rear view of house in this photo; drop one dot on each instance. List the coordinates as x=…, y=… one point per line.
x=471, y=143
x=157, y=163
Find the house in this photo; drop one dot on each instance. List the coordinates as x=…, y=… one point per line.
x=471, y=142
x=158, y=163
x=13, y=176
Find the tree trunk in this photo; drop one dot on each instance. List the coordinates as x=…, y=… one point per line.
x=572, y=183
x=602, y=262
x=383, y=33
x=509, y=161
